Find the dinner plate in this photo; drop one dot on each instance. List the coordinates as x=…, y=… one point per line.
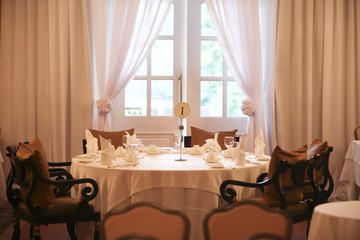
x=217, y=165
x=85, y=160
x=152, y=153
x=264, y=158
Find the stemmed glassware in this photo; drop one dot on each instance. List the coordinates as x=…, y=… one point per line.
x=228, y=141
x=134, y=152
x=126, y=141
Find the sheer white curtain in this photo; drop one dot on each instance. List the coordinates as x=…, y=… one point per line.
x=45, y=86
x=121, y=34
x=237, y=27
x=317, y=75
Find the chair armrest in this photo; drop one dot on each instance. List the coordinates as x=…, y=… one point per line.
x=229, y=193
x=59, y=164
x=88, y=193
x=261, y=178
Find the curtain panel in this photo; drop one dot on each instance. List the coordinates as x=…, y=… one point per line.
x=317, y=75
x=237, y=26
x=121, y=34
x=45, y=87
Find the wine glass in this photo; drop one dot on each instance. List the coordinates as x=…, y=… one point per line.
x=134, y=151
x=126, y=141
x=228, y=141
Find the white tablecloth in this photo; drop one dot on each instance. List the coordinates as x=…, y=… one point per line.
x=336, y=221
x=191, y=186
x=350, y=175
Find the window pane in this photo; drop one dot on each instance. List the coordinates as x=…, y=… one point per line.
x=207, y=28
x=162, y=97
x=168, y=27
x=135, y=95
x=234, y=99
x=211, y=59
x=162, y=58
x=211, y=98
x=143, y=69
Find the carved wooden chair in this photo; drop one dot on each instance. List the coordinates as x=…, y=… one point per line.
x=293, y=183
x=40, y=196
x=147, y=219
x=357, y=133
x=247, y=220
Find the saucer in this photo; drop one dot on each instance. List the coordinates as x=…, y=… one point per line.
x=217, y=165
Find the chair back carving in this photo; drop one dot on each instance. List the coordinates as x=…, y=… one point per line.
x=146, y=218
x=247, y=219
x=357, y=133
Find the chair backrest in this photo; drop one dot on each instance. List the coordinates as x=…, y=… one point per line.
x=146, y=218
x=246, y=218
x=326, y=186
x=357, y=133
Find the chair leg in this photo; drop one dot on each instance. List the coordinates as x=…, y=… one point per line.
x=36, y=231
x=16, y=225
x=31, y=230
x=97, y=230
x=71, y=230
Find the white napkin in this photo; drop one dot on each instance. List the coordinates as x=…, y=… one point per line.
x=107, y=151
x=152, y=149
x=120, y=152
x=228, y=153
x=133, y=139
x=91, y=143
x=238, y=153
x=259, y=144
x=243, y=142
x=213, y=144
x=196, y=150
x=212, y=158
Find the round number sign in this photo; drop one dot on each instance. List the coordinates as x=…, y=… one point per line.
x=182, y=110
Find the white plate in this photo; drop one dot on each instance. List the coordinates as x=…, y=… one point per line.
x=264, y=158
x=217, y=165
x=152, y=153
x=84, y=160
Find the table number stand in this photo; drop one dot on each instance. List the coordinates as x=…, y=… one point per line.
x=181, y=141
x=182, y=110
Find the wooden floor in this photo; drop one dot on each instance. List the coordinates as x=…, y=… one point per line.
x=59, y=232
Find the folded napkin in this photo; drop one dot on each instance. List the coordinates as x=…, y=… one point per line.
x=120, y=152
x=107, y=151
x=212, y=144
x=238, y=153
x=91, y=143
x=152, y=149
x=259, y=144
x=243, y=142
x=228, y=153
x=212, y=157
x=132, y=139
x=196, y=150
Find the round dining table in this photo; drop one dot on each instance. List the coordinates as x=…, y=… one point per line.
x=335, y=221
x=191, y=186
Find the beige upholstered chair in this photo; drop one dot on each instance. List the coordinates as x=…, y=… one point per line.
x=247, y=220
x=357, y=133
x=145, y=218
